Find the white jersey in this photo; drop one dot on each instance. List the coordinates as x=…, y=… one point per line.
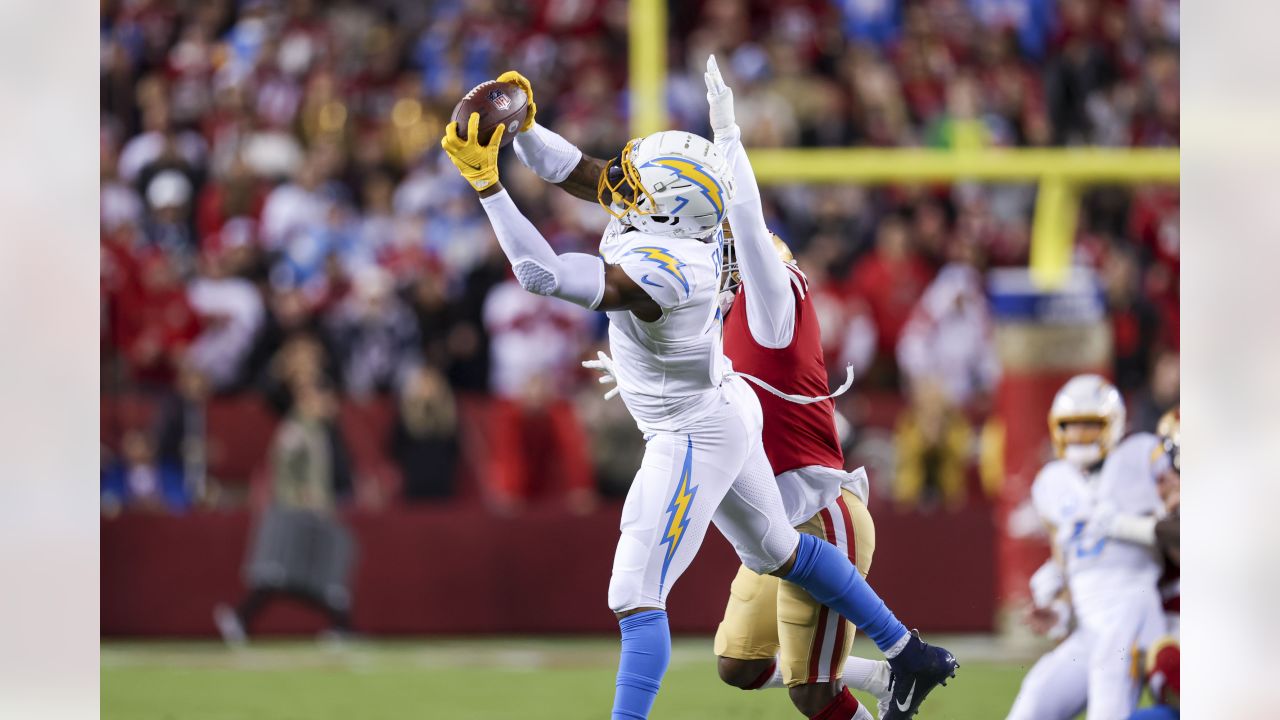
x=669, y=371
x=1099, y=572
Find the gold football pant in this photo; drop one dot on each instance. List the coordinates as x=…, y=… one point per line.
x=767, y=617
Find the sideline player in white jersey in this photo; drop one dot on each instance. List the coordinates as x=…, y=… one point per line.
x=657, y=278
x=1098, y=499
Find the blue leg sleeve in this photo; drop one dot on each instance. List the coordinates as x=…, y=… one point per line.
x=646, y=649
x=832, y=580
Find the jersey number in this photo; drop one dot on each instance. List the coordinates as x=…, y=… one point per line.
x=1078, y=543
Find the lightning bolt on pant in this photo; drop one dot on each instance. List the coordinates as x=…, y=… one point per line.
x=714, y=471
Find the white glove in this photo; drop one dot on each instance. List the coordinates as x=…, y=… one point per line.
x=1047, y=583
x=1062, y=609
x=719, y=97
x=604, y=366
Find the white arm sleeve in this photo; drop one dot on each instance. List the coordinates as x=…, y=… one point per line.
x=576, y=277
x=1138, y=529
x=547, y=154
x=771, y=306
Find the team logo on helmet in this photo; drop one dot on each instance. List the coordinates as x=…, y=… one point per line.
x=695, y=174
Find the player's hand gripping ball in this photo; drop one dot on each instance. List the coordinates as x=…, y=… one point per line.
x=522, y=82
x=478, y=163
x=499, y=104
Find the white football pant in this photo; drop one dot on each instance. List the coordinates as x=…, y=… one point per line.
x=1097, y=666
x=715, y=471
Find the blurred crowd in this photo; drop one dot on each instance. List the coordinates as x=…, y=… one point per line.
x=278, y=220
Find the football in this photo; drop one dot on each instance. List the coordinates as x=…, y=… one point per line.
x=499, y=103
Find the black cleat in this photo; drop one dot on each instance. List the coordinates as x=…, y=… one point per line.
x=915, y=672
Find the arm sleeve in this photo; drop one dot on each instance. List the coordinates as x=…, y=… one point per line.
x=576, y=277
x=771, y=305
x=1137, y=529
x=547, y=154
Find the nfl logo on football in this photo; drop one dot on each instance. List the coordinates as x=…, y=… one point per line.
x=499, y=99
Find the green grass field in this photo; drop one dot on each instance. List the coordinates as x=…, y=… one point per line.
x=487, y=679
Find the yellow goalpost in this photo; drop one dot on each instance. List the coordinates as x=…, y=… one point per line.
x=1059, y=172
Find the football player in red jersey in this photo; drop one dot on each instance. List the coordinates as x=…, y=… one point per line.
x=774, y=634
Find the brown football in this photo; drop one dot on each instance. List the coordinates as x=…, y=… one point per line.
x=499, y=103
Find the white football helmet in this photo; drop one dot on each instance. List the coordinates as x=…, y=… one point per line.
x=669, y=183
x=1087, y=398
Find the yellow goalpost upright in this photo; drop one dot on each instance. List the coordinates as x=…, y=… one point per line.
x=1058, y=172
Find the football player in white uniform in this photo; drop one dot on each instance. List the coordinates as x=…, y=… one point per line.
x=657, y=277
x=1100, y=502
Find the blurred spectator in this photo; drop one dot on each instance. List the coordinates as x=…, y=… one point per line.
x=181, y=427
x=138, y=480
x=231, y=313
x=301, y=459
x=891, y=280
x=1160, y=396
x=292, y=208
x=932, y=440
x=168, y=225
x=424, y=442
x=299, y=548
x=950, y=339
x=615, y=446
x=121, y=204
x=235, y=193
x=160, y=143
x=375, y=335
x=157, y=321
x=534, y=434
x=1133, y=319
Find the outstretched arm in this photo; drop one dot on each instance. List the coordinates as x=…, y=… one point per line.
x=771, y=307
x=552, y=157
x=577, y=277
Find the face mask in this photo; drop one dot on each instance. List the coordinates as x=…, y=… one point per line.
x=1082, y=455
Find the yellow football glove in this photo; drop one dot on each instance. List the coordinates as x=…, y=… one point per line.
x=477, y=163
x=515, y=78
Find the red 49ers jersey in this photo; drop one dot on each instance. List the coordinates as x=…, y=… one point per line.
x=795, y=436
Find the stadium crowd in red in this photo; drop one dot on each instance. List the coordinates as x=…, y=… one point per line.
x=278, y=219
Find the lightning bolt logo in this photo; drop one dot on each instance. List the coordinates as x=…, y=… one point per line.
x=663, y=259
x=693, y=173
x=678, y=520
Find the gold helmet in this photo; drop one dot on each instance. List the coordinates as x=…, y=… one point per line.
x=730, y=277
x=1170, y=431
